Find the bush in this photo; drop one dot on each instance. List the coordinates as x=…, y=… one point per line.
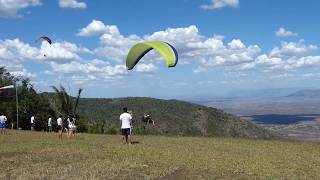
x=112, y=131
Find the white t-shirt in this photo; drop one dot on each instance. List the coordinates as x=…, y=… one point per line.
x=32, y=119
x=49, y=121
x=3, y=119
x=59, y=122
x=125, y=119
x=69, y=123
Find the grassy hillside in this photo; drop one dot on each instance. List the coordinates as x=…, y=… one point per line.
x=36, y=155
x=172, y=118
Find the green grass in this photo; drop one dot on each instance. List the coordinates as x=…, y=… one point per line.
x=36, y=155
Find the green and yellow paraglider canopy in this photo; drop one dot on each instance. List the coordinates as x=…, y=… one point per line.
x=167, y=51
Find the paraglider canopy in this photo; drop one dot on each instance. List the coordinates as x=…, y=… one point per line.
x=45, y=38
x=167, y=51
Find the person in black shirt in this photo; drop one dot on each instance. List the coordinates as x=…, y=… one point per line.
x=147, y=119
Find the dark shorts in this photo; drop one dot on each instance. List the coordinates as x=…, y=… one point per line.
x=2, y=125
x=125, y=132
x=59, y=128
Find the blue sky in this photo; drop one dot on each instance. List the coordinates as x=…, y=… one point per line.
x=223, y=45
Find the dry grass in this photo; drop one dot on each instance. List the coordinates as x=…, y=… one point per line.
x=35, y=155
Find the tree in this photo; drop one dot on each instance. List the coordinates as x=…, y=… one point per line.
x=30, y=102
x=63, y=103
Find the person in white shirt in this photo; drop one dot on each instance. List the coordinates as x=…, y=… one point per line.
x=70, y=126
x=3, y=120
x=59, y=124
x=66, y=125
x=74, y=127
x=125, y=123
x=32, y=122
x=49, y=124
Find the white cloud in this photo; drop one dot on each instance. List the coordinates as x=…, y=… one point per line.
x=282, y=32
x=307, y=61
x=247, y=66
x=146, y=68
x=216, y=4
x=114, y=45
x=10, y=8
x=61, y=52
x=199, y=69
x=23, y=73
x=292, y=49
x=217, y=54
x=83, y=79
x=15, y=53
x=114, y=53
x=265, y=59
x=72, y=4
x=96, y=27
x=178, y=36
x=290, y=55
x=209, y=52
x=17, y=50
x=236, y=44
x=97, y=68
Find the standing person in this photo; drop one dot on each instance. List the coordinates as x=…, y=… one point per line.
x=59, y=123
x=66, y=126
x=3, y=120
x=74, y=127
x=131, y=125
x=49, y=125
x=32, y=122
x=125, y=120
x=71, y=128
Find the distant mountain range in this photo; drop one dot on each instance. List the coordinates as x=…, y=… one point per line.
x=274, y=101
x=274, y=93
x=308, y=93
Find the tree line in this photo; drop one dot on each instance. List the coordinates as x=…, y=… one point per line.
x=40, y=105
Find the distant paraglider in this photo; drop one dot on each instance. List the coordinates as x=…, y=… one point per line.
x=167, y=51
x=44, y=38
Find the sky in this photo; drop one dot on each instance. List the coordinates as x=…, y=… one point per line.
x=223, y=45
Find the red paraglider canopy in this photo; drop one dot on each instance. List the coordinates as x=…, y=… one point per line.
x=45, y=38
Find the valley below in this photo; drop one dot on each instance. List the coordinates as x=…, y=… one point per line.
x=296, y=118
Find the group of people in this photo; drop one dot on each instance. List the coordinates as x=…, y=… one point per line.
x=126, y=125
x=67, y=125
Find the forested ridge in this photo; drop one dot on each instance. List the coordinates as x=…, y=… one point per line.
x=172, y=117
x=101, y=115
